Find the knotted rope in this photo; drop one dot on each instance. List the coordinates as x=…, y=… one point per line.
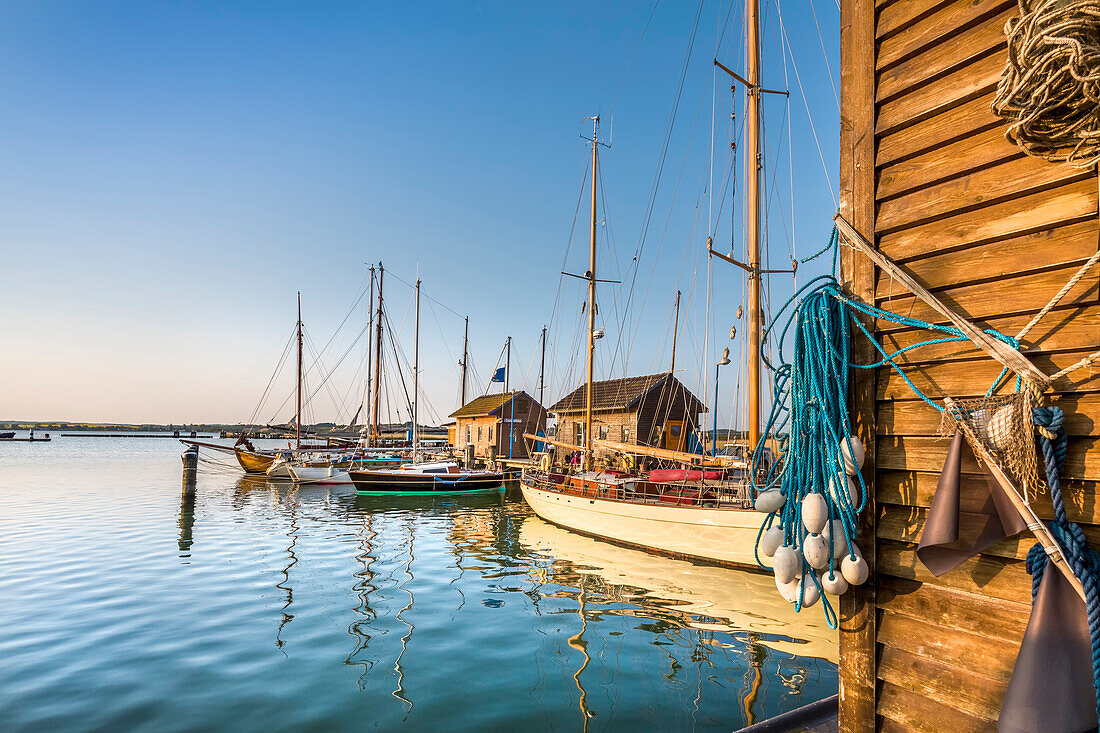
x=1050, y=90
x=1075, y=547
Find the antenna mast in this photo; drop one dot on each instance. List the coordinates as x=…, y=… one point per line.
x=591, y=301
x=465, y=358
x=675, y=328
x=298, y=412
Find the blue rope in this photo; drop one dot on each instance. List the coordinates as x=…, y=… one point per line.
x=809, y=403
x=1082, y=559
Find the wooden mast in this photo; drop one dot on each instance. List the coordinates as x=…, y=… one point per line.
x=377, y=360
x=416, y=374
x=298, y=412
x=465, y=358
x=542, y=367
x=675, y=328
x=370, y=346
x=591, y=301
x=752, y=156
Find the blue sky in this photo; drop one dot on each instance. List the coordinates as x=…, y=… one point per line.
x=173, y=173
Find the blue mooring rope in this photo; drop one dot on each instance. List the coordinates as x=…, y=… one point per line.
x=810, y=404
x=1082, y=559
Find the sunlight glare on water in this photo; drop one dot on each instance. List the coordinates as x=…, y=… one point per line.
x=267, y=607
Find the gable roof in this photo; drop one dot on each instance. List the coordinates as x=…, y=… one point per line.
x=486, y=405
x=622, y=394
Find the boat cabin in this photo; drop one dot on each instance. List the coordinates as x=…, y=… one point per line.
x=655, y=410
x=498, y=421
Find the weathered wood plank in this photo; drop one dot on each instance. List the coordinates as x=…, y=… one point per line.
x=985, y=187
x=959, y=649
x=916, y=488
x=1042, y=250
x=949, y=126
x=949, y=53
x=953, y=609
x=962, y=689
x=857, y=677
x=901, y=13
x=950, y=25
x=963, y=84
x=982, y=149
x=1061, y=330
x=927, y=454
x=993, y=577
x=1004, y=297
x=905, y=524
x=917, y=418
x=918, y=713
x=1064, y=205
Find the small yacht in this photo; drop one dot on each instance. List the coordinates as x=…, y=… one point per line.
x=428, y=478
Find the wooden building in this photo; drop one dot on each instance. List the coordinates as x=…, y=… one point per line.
x=656, y=410
x=485, y=422
x=927, y=176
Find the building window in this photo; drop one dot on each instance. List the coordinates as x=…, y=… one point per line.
x=603, y=432
x=578, y=433
x=467, y=433
x=625, y=434
x=490, y=433
x=479, y=433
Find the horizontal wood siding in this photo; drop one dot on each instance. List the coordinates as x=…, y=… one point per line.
x=995, y=234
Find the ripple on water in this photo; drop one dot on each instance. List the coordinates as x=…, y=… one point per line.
x=263, y=607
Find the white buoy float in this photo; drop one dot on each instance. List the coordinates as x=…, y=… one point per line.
x=834, y=531
x=855, y=571
x=787, y=564
x=999, y=428
x=769, y=501
x=787, y=591
x=853, y=489
x=815, y=512
x=815, y=548
x=808, y=590
x=832, y=580
x=771, y=540
x=852, y=454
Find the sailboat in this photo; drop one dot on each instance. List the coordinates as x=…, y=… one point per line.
x=427, y=476
x=716, y=522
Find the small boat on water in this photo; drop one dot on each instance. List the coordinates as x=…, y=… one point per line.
x=7, y=435
x=425, y=478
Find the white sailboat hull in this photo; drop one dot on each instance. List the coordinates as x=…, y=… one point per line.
x=319, y=474
x=725, y=536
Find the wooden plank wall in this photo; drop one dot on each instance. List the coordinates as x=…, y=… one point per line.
x=995, y=234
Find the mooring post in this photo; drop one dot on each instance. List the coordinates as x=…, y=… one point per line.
x=190, y=471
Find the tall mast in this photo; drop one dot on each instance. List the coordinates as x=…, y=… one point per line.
x=370, y=346
x=542, y=366
x=675, y=328
x=591, y=301
x=377, y=359
x=752, y=156
x=465, y=358
x=298, y=412
x=416, y=373
x=507, y=371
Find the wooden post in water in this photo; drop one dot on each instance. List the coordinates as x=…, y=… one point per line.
x=190, y=471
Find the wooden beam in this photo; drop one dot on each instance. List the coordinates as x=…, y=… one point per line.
x=999, y=350
x=858, y=619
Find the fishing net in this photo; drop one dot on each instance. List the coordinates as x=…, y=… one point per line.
x=1003, y=426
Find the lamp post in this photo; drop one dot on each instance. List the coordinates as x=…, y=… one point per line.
x=714, y=435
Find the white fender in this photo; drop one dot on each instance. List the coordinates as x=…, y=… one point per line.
x=770, y=541
x=815, y=549
x=770, y=501
x=852, y=457
x=787, y=564
x=833, y=582
x=815, y=512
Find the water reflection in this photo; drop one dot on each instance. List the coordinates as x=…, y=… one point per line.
x=633, y=633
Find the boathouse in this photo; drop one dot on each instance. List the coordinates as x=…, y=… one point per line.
x=655, y=410
x=928, y=178
x=498, y=421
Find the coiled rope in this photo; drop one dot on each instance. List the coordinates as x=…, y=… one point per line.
x=1050, y=90
x=1080, y=556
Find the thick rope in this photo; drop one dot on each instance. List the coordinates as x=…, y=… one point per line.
x=1050, y=90
x=1075, y=547
x=1081, y=272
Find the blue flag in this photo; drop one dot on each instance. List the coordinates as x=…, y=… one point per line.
x=498, y=376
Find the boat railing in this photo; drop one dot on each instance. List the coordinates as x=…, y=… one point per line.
x=722, y=493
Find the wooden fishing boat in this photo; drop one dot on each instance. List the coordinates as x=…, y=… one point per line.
x=428, y=478
x=254, y=461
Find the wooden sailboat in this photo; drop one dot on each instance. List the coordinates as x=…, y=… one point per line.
x=422, y=477
x=706, y=515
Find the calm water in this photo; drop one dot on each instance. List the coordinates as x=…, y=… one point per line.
x=263, y=607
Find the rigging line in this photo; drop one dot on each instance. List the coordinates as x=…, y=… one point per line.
x=278, y=367
x=824, y=53
x=362, y=292
x=569, y=245
x=725, y=24
x=664, y=231
x=237, y=383
x=631, y=62
x=397, y=363
x=664, y=150
x=443, y=339
x=806, y=104
x=325, y=379
x=423, y=294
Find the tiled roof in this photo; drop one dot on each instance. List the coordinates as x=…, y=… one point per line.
x=617, y=394
x=485, y=405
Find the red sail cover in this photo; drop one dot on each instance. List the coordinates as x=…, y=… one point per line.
x=668, y=475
